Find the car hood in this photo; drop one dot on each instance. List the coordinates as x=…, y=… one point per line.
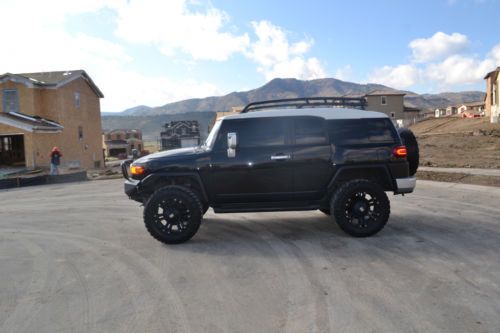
x=173, y=153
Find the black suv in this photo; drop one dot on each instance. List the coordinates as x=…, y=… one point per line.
x=283, y=155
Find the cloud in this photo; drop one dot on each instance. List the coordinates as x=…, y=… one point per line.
x=437, y=47
x=48, y=47
x=174, y=26
x=343, y=73
x=129, y=88
x=441, y=61
x=458, y=69
x=277, y=57
x=401, y=77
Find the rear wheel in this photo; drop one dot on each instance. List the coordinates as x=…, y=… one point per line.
x=173, y=214
x=360, y=207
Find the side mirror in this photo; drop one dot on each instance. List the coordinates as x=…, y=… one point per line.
x=232, y=143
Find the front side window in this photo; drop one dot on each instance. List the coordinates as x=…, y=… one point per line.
x=254, y=132
x=309, y=130
x=10, y=100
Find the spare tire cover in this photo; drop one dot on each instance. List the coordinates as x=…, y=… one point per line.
x=410, y=141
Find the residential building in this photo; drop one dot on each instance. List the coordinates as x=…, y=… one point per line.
x=429, y=114
x=47, y=109
x=122, y=141
x=440, y=112
x=492, y=99
x=472, y=106
x=391, y=103
x=180, y=134
x=451, y=110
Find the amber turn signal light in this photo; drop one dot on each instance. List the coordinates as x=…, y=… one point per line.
x=136, y=170
x=399, y=152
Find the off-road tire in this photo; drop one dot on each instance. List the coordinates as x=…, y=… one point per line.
x=184, y=210
x=413, y=154
x=360, y=208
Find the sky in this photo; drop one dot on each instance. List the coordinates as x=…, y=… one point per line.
x=147, y=52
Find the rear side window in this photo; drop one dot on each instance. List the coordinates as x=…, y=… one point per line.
x=254, y=132
x=309, y=131
x=361, y=131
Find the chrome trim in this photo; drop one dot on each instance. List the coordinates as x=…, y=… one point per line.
x=280, y=157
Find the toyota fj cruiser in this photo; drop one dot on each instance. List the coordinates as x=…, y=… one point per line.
x=286, y=155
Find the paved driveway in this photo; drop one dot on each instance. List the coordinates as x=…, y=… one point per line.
x=77, y=258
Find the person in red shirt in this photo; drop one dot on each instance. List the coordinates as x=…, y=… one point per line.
x=55, y=160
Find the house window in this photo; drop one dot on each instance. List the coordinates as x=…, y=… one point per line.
x=494, y=94
x=77, y=99
x=118, y=137
x=10, y=100
x=139, y=147
x=383, y=100
x=393, y=115
x=80, y=133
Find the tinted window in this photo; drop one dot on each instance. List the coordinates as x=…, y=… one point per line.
x=258, y=132
x=361, y=131
x=309, y=130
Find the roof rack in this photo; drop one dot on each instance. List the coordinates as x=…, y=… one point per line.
x=352, y=102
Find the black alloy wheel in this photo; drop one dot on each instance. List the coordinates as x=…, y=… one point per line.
x=360, y=207
x=173, y=214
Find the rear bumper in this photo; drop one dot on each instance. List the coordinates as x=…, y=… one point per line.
x=405, y=185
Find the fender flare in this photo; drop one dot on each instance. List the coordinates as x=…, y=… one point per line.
x=151, y=180
x=381, y=169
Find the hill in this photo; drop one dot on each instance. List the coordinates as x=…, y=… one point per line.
x=290, y=88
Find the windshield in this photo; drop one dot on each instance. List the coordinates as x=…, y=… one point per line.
x=213, y=134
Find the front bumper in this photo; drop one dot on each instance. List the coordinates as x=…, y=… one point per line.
x=405, y=185
x=131, y=188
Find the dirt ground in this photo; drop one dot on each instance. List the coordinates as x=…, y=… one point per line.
x=460, y=178
x=458, y=142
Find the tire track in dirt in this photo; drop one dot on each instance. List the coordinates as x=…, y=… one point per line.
x=29, y=304
x=133, y=267
x=303, y=313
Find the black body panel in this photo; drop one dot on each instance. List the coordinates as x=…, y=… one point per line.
x=285, y=163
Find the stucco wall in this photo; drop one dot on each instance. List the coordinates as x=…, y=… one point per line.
x=394, y=104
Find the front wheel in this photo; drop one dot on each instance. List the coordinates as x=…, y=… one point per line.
x=173, y=214
x=360, y=207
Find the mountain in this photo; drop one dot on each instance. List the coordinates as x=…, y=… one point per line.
x=290, y=88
